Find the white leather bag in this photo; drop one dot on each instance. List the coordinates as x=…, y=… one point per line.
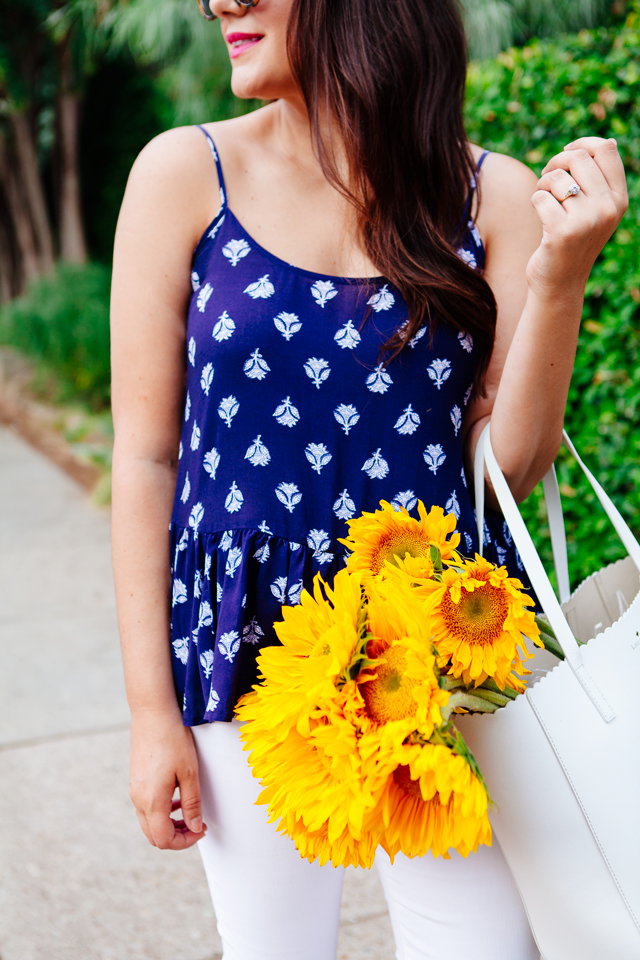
x=562, y=762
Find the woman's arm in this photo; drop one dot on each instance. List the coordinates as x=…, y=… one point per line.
x=539, y=256
x=170, y=198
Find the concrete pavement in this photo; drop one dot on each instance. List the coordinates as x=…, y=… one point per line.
x=78, y=880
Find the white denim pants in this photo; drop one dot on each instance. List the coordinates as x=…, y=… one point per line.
x=271, y=904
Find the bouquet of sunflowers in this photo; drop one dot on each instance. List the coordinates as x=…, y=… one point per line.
x=350, y=730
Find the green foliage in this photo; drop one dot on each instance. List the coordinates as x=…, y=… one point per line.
x=188, y=51
x=494, y=25
x=62, y=323
x=529, y=103
x=123, y=109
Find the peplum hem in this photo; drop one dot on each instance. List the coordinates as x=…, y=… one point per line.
x=228, y=589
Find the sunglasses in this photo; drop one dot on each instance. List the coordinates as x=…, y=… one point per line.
x=205, y=10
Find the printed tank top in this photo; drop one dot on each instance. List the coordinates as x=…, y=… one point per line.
x=292, y=426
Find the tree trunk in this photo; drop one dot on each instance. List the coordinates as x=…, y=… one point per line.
x=33, y=191
x=72, y=242
x=7, y=259
x=21, y=219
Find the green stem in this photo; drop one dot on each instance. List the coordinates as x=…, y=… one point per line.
x=490, y=684
x=471, y=702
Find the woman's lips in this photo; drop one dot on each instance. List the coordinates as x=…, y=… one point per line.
x=239, y=42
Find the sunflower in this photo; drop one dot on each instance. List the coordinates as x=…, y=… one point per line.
x=313, y=784
x=478, y=617
x=382, y=536
x=400, y=688
x=317, y=639
x=433, y=800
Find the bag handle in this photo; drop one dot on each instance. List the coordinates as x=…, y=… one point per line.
x=554, y=514
x=533, y=565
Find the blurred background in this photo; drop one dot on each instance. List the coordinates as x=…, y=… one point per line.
x=83, y=86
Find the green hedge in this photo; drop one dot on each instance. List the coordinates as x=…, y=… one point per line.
x=62, y=323
x=529, y=103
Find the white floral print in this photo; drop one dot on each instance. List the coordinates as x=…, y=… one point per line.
x=261, y=289
x=179, y=594
x=206, y=378
x=181, y=649
x=211, y=461
x=322, y=291
x=229, y=644
x=347, y=336
x=287, y=324
x=195, y=517
x=406, y=499
x=317, y=455
x=347, y=416
x=228, y=408
x=382, y=300
x=235, y=250
x=452, y=505
x=257, y=454
x=439, y=371
x=233, y=561
x=234, y=499
x=466, y=341
x=203, y=297
x=434, y=457
x=286, y=414
x=408, y=421
x=317, y=370
x=289, y=495
x=379, y=381
x=252, y=632
x=344, y=507
x=319, y=542
x=224, y=328
x=256, y=367
x=376, y=467
x=456, y=418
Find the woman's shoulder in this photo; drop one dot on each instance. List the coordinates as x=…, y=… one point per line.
x=506, y=187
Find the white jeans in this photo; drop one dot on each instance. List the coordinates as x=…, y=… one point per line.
x=271, y=904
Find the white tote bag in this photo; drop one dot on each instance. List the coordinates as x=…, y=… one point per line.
x=562, y=762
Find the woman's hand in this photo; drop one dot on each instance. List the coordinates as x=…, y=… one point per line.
x=163, y=757
x=576, y=228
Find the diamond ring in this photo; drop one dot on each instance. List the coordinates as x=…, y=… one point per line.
x=573, y=191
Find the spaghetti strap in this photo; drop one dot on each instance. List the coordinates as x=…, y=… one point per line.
x=481, y=161
x=223, y=189
x=473, y=185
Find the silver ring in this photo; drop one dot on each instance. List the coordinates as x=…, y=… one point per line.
x=573, y=191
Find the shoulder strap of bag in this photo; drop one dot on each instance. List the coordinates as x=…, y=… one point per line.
x=554, y=514
x=533, y=564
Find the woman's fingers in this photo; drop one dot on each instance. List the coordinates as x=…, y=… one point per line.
x=603, y=154
x=583, y=168
x=561, y=185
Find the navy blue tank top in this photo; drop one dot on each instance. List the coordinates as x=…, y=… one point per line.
x=292, y=426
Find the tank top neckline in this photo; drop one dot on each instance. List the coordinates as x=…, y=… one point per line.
x=226, y=211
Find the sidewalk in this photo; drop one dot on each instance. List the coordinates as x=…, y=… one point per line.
x=78, y=880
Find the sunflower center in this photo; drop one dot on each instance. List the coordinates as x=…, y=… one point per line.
x=397, y=543
x=402, y=777
x=479, y=616
x=388, y=696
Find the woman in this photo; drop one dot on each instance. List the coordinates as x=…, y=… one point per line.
x=334, y=340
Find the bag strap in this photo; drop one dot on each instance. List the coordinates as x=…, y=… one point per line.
x=556, y=530
x=533, y=565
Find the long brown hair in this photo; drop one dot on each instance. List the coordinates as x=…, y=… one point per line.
x=389, y=76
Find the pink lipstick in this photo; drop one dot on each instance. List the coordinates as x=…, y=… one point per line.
x=239, y=42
